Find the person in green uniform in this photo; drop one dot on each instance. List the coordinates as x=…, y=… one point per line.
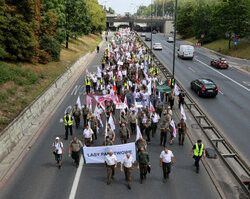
x=182, y=130
x=124, y=134
x=85, y=112
x=107, y=142
x=143, y=164
x=164, y=127
x=76, y=112
x=132, y=120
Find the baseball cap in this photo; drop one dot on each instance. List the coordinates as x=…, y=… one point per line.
x=57, y=138
x=199, y=141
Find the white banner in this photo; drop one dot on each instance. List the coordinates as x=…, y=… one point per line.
x=98, y=154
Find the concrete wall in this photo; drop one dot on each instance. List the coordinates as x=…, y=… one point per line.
x=14, y=132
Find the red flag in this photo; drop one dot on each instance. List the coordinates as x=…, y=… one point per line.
x=114, y=88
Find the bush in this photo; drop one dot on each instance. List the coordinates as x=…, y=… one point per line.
x=51, y=46
x=5, y=74
x=32, y=78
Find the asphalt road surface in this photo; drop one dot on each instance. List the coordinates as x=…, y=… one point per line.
x=230, y=109
x=38, y=177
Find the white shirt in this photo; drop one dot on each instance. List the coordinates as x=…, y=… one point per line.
x=58, y=146
x=110, y=160
x=87, y=133
x=156, y=118
x=166, y=157
x=127, y=162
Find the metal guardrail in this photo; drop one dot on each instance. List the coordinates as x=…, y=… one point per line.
x=215, y=138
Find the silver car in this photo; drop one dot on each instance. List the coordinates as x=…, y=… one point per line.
x=157, y=46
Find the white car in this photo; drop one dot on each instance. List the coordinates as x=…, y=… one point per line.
x=157, y=46
x=186, y=52
x=170, y=39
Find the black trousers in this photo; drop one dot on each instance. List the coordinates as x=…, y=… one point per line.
x=88, y=89
x=181, y=102
x=76, y=156
x=196, y=163
x=133, y=127
x=85, y=120
x=67, y=128
x=148, y=133
x=77, y=119
x=171, y=103
x=154, y=128
x=163, y=138
x=142, y=128
x=166, y=168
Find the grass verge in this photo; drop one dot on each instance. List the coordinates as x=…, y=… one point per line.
x=20, y=82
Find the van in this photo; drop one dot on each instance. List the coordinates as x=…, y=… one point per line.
x=186, y=52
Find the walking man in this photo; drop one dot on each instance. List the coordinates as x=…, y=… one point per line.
x=143, y=164
x=198, y=151
x=182, y=130
x=164, y=127
x=132, y=120
x=107, y=142
x=181, y=98
x=68, y=121
x=111, y=164
x=85, y=112
x=166, y=161
x=127, y=162
x=58, y=151
x=75, y=150
x=87, y=84
x=87, y=135
x=76, y=112
x=124, y=134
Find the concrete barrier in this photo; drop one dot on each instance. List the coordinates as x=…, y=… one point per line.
x=18, y=128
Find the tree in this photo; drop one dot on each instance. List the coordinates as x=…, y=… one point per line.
x=111, y=11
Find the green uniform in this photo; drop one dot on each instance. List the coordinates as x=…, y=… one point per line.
x=107, y=143
x=111, y=134
x=123, y=119
x=124, y=134
x=85, y=112
x=143, y=160
x=141, y=143
x=76, y=112
x=181, y=132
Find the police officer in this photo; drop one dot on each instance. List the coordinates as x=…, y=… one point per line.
x=87, y=84
x=164, y=127
x=132, y=120
x=75, y=150
x=107, y=142
x=76, y=112
x=124, y=134
x=198, y=151
x=182, y=130
x=68, y=121
x=143, y=164
x=85, y=112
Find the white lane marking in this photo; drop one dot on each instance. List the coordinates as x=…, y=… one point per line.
x=246, y=82
x=190, y=68
x=224, y=75
x=75, y=90
x=76, y=180
x=221, y=92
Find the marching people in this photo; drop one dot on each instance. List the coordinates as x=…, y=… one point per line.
x=111, y=164
x=87, y=135
x=148, y=128
x=127, y=162
x=75, y=150
x=93, y=126
x=85, y=112
x=198, y=151
x=181, y=98
x=155, y=119
x=124, y=134
x=132, y=120
x=143, y=164
x=58, y=151
x=110, y=133
x=76, y=112
x=87, y=84
x=182, y=130
x=166, y=162
x=141, y=143
x=68, y=122
x=164, y=127
x=107, y=142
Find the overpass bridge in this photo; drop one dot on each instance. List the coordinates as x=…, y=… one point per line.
x=140, y=23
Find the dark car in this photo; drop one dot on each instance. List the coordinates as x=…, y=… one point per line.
x=204, y=87
x=147, y=39
x=154, y=31
x=219, y=63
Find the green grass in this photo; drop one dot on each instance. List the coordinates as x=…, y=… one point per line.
x=21, y=83
x=221, y=46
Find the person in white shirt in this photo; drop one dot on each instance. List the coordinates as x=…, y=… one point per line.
x=87, y=135
x=110, y=163
x=58, y=151
x=166, y=161
x=127, y=162
x=155, y=118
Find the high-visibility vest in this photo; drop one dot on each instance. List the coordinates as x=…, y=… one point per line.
x=87, y=81
x=69, y=122
x=125, y=84
x=100, y=81
x=114, y=78
x=151, y=70
x=198, y=152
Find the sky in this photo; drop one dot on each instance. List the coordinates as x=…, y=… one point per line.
x=121, y=6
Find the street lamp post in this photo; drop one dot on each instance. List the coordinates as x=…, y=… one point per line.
x=151, y=25
x=175, y=23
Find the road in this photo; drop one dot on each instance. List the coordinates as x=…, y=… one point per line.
x=38, y=177
x=230, y=109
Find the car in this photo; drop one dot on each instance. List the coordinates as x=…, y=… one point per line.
x=147, y=38
x=185, y=52
x=143, y=35
x=170, y=39
x=157, y=46
x=204, y=87
x=219, y=63
x=154, y=31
